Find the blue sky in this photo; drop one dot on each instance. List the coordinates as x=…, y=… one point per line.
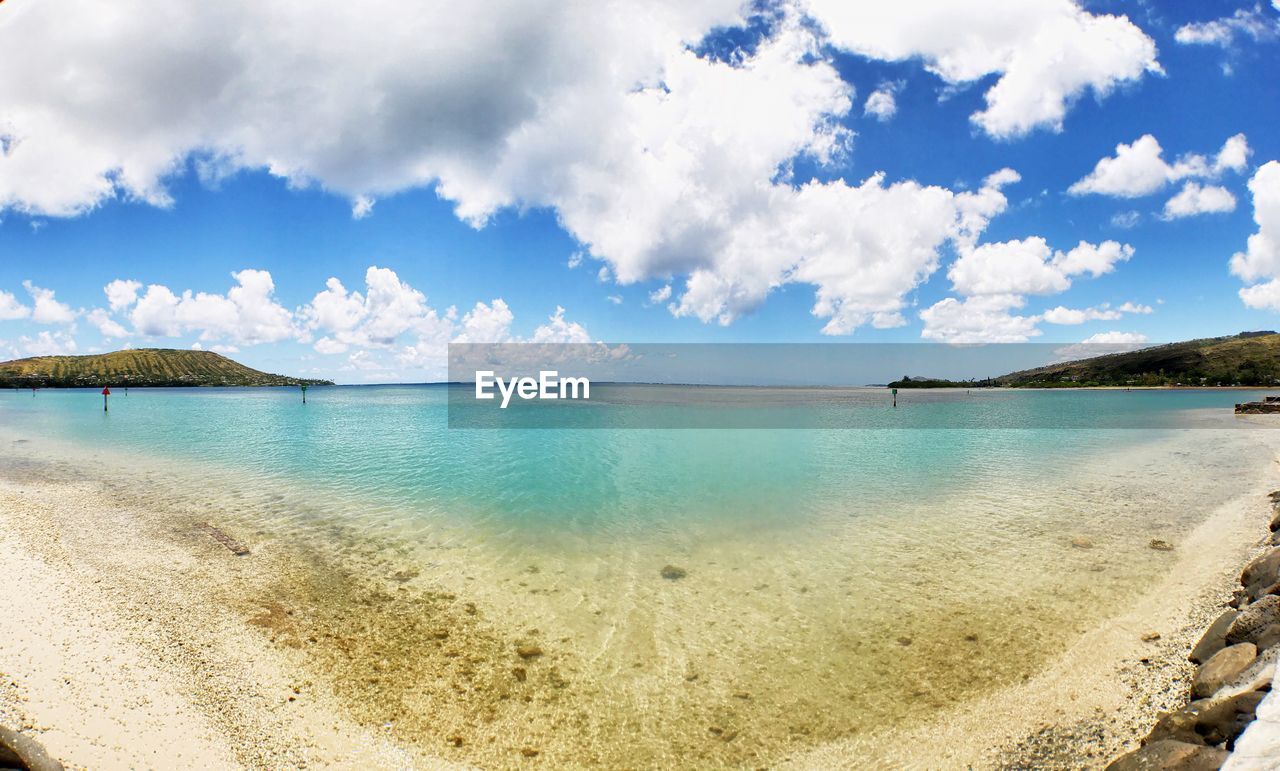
x=728, y=161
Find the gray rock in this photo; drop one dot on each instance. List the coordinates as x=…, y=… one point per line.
x=1214, y=638
x=1167, y=755
x=1227, y=719
x=673, y=572
x=1253, y=620
x=1222, y=668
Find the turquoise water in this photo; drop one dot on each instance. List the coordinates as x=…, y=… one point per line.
x=811, y=554
x=390, y=446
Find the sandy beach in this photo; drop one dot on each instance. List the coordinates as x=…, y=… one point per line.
x=143, y=641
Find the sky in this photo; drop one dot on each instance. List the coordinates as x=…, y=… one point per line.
x=341, y=189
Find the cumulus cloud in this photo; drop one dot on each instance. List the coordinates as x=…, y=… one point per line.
x=1115, y=338
x=1139, y=169
x=659, y=160
x=1252, y=23
x=558, y=330
x=882, y=104
x=106, y=325
x=121, y=293
x=11, y=308
x=1047, y=53
x=1261, y=257
x=982, y=319
x=247, y=314
x=45, y=308
x=48, y=343
x=387, y=309
x=995, y=279
x=1029, y=266
x=1196, y=199
x=1073, y=316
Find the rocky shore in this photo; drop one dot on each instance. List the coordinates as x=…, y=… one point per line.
x=1231, y=719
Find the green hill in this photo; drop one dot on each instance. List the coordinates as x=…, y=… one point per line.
x=139, y=367
x=1246, y=359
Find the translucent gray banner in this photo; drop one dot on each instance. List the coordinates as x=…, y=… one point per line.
x=849, y=386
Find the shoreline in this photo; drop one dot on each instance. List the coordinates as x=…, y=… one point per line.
x=153, y=596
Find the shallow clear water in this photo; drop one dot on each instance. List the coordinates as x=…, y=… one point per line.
x=829, y=572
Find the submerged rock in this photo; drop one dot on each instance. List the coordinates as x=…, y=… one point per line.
x=1160, y=545
x=1081, y=543
x=672, y=572
x=528, y=651
x=1170, y=754
x=1222, y=668
x=1214, y=638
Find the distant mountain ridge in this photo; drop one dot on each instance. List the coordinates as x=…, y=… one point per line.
x=1246, y=359
x=139, y=367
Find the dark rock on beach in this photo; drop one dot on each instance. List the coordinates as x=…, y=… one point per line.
x=1227, y=719
x=1168, y=754
x=19, y=751
x=1255, y=621
x=1160, y=545
x=1222, y=668
x=1179, y=726
x=1215, y=637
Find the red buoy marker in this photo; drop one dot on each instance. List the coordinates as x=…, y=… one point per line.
x=105, y=393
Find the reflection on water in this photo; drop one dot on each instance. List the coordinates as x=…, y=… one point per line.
x=490, y=592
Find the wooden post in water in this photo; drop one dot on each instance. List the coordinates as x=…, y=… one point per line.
x=895, y=397
x=303, y=386
x=105, y=393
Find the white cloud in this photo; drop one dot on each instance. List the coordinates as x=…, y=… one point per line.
x=660, y=162
x=45, y=309
x=48, y=344
x=106, y=325
x=984, y=319
x=660, y=295
x=247, y=314
x=1247, y=22
x=1196, y=199
x=11, y=308
x=1115, y=338
x=362, y=206
x=388, y=308
x=882, y=104
x=1139, y=169
x=575, y=260
x=121, y=293
x=1261, y=257
x=1029, y=266
x=1047, y=53
x=486, y=323
x=558, y=330
x=616, y=299
x=1126, y=219
x=1104, y=312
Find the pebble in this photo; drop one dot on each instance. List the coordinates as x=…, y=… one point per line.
x=528, y=651
x=1160, y=545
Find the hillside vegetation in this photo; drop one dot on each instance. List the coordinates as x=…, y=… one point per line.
x=139, y=367
x=1246, y=359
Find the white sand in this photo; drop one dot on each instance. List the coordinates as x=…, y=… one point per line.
x=96, y=678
